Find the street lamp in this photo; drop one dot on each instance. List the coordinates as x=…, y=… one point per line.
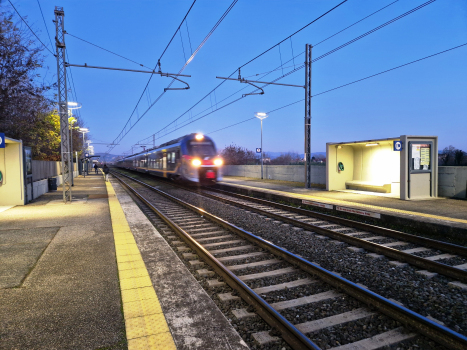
x=261, y=116
x=83, y=131
x=72, y=105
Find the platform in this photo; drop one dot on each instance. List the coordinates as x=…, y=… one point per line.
x=441, y=215
x=95, y=274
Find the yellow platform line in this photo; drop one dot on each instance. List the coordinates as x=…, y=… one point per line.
x=145, y=323
x=354, y=204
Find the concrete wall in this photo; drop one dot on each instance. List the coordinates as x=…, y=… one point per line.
x=294, y=173
x=11, y=165
x=452, y=181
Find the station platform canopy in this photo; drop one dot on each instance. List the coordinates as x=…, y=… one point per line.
x=404, y=167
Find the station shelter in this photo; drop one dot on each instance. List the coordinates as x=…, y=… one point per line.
x=13, y=171
x=404, y=167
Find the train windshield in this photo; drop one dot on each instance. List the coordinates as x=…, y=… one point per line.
x=201, y=148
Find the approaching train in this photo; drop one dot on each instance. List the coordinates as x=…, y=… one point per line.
x=192, y=158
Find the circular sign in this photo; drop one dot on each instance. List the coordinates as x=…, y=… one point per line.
x=1, y=140
x=398, y=145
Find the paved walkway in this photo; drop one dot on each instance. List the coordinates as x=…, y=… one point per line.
x=59, y=286
x=96, y=274
x=449, y=210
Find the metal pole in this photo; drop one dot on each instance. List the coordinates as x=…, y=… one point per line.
x=63, y=102
x=308, y=115
x=71, y=156
x=84, y=151
x=261, y=149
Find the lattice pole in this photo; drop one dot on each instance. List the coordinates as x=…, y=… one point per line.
x=308, y=115
x=63, y=103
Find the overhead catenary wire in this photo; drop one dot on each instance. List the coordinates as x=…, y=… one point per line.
x=347, y=84
x=192, y=56
x=45, y=24
x=30, y=28
x=298, y=31
x=360, y=36
x=371, y=14
x=149, y=80
x=109, y=51
x=329, y=37
x=123, y=133
x=355, y=39
x=78, y=112
x=265, y=73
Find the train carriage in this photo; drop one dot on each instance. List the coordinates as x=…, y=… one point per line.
x=192, y=158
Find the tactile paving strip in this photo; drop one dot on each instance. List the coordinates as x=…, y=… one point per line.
x=145, y=323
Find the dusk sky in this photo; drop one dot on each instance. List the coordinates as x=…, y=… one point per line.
x=425, y=98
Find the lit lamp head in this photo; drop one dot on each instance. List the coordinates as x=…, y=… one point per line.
x=73, y=105
x=261, y=115
x=199, y=137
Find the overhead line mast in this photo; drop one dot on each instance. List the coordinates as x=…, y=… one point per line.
x=63, y=103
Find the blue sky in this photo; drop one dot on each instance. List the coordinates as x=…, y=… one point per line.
x=426, y=98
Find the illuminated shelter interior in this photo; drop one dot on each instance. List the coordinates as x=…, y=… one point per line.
x=402, y=167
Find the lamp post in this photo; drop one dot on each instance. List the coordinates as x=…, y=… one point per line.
x=261, y=116
x=72, y=105
x=83, y=131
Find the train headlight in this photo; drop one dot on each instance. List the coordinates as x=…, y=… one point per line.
x=199, y=137
x=196, y=162
x=218, y=162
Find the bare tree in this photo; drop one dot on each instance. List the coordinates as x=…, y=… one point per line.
x=458, y=155
x=236, y=155
x=286, y=159
x=26, y=112
x=447, y=154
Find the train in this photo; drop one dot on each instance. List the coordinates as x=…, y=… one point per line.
x=191, y=158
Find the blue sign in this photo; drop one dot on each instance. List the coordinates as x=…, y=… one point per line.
x=258, y=150
x=397, y=145
x=2, y=140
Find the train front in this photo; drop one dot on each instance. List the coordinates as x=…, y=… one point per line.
x=200, y=162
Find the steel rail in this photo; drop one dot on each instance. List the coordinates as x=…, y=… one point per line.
x=289, y=333
x=448, y=247
x=434, y=266
x=423, y=325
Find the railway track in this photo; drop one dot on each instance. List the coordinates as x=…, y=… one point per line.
x=391, y=243
x=279, y=284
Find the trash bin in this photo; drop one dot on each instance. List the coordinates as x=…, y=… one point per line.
x=52, y=183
